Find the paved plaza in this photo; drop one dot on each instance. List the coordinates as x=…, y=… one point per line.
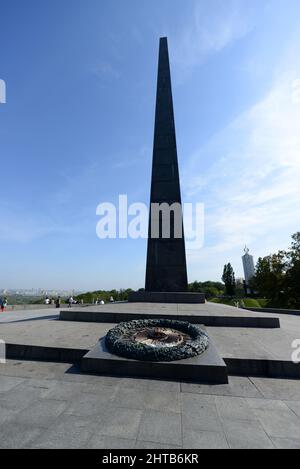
x=47, y=405
x=42, y=328
x=54, y=405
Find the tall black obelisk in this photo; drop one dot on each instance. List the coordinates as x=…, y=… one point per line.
x=166, y=260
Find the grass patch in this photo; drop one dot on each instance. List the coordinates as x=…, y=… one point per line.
x=248, y=302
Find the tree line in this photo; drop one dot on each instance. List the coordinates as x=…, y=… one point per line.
x=277, y=277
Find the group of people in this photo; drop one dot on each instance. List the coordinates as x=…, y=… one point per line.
x=3, y=304
x=101, y=302
x=70, y=301
x=52, y=301
x=56, y=302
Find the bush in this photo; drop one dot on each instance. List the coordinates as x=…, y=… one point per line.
x=251, y=303
x=247, y=302
x=91, y=297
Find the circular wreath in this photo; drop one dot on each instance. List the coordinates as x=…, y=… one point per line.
x=121, y=341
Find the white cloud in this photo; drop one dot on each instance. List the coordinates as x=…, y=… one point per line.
x=215, y=25
x=105, y=69
x=22, y=227
x=296, y=91
x=251, y=188
x=144, y=153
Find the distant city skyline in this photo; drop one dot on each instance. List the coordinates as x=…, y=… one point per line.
x=77, y=130
x=37, y=291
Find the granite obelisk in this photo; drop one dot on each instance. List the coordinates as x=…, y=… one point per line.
x=166, y=260
x=166, y=272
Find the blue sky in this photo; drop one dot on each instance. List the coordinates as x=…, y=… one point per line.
x=77, y=130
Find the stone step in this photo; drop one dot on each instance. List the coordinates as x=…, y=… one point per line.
x=87, y=315
x=260, y=367
x=41, y=353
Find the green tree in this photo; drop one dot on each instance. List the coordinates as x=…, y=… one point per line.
x=270, y=278
x=90, y=297
x=210, y=289
x=228, y=278
x=292, y=278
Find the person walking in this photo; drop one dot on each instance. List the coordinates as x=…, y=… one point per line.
x=57, y=302
x=3, y=304
x=70, y=301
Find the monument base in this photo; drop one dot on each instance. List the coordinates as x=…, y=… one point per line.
x=205, y=368
x=166, y=297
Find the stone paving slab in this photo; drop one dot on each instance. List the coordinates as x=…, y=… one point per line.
x=53, y=333
x=274, y=344
x=279, y=423
x=246, y=434
x=285, y=389
x=286, y=443
x=103, y=442
x=17, y=436
x=204, y=440
x=132, y=398
x=237, y=387
x=68, y=432
x=41, y=413
x=160, y=427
